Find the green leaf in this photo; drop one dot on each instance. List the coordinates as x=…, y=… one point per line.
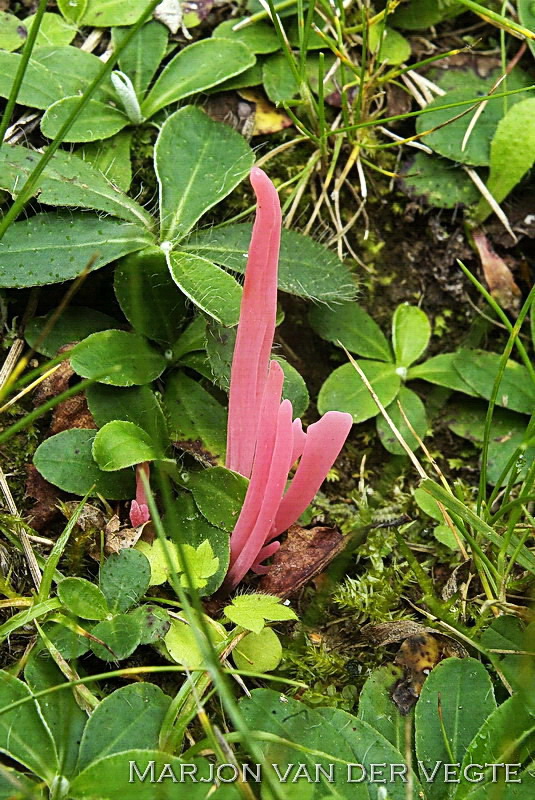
x=250, y=77
x=184, y=523
x=411, y=331
x=502, y=739
x=102, y=13
x=66, y=460
x=353, y=327
x=60, y=711
x=182, y=645
x=279, y=81
x=523, y=555
x=377, y=708
x=441, y=370
x=118, y=358
x=445, y=535
x=212, y=289
x=294, y=388
x=154, y=622
x=111, y=771
x=194, y=69
x=82, y=598
x=111, y=157
x=83, y=69
x=420, y=14
x=253, y=611
x=11, y=778
x=53, y=30
x=68, y=181
x=512, y=153
x=98, y=120
x=326, y=737
x=137, y=404
x=73, y=325
x=508, y=633
x=121, y=444
x=202, y=565
x=293, y=30
x=198, y=163
x=23, y=735
x=192, y=338
x=425, y=502
x=480, y=368
x=467, y=419
x=259, y=38
x=39, y=89
x=196, y=419
x=414, y=411
x=440, y=183
x=129, y=717
x=388, y=44
x=124, y=579
x=526, y=15
x=72, y=10
x=148, y=296
x=163, y=559
x=345, y=391
x=457, y=694
x=220, y=343
x=448, y=139
x=306, y=268
x=55, y=247
x=13, y=32
x=120, y=635
x=258, y=652
x=142, y=56
x=219, y=495
x=67, y=642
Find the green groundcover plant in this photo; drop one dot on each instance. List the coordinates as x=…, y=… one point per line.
x=389, y=366
x=463, y=744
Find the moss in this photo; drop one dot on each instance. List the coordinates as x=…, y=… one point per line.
x=17, y=453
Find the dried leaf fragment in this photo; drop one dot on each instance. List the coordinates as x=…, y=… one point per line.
x=302, y=555
x=498, y=276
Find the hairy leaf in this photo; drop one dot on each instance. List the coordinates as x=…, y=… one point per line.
x=198, y=163
x=197, y=67
x=306, y=268
x=56, y=247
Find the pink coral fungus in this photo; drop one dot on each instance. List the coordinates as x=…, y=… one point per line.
x=263, y=442
x=139, y=510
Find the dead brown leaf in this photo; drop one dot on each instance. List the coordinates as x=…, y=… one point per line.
x=498, y=275
x=45, y=510
x=54, y=384
x=302, y=555
x=71, y=413
x=117, y=538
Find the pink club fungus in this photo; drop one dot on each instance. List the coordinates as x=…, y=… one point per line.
x=263, y=443
x=139, y=510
